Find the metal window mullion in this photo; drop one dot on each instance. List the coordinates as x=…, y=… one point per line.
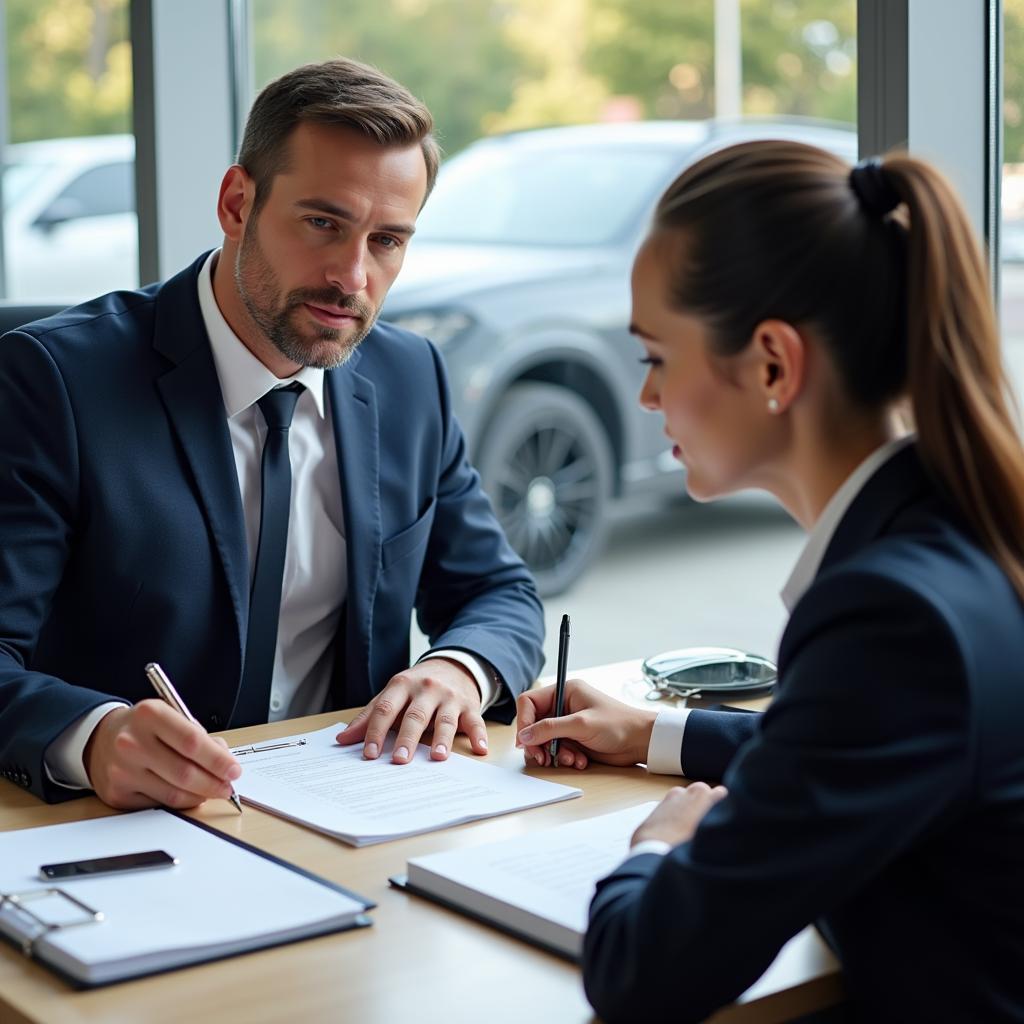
x=182, y=75
x=994, y=140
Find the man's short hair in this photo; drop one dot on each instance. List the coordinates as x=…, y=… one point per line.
x=340, y=92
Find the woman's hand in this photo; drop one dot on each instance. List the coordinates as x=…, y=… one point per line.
x=595, y=727
x=676, y=818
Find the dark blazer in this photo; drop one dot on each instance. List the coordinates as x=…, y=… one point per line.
x=121, y=530
x=881, y=795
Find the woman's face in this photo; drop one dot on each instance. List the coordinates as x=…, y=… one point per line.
x=713, y=407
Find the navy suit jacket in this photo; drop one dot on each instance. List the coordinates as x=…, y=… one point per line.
x=881, y=795
x=122, y=538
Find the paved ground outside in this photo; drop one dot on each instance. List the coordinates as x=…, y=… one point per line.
x=678, y=575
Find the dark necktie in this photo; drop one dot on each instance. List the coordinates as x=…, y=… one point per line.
x=278, y=407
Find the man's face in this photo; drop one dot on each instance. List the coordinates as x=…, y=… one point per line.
x=317, y=260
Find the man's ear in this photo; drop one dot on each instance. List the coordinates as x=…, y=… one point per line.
x=781, y=354
x=235, y=201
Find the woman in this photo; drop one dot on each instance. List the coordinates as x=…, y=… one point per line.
x=793, y=315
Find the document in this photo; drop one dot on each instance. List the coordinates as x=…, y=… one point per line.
x=221, y=898
x=333, y=789
x=539, y=887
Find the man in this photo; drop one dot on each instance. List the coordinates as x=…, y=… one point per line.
x=168, y=494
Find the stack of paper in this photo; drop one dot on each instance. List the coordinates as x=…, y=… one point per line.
x=539, y=887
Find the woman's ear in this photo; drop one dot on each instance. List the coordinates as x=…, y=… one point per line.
x=780, y=354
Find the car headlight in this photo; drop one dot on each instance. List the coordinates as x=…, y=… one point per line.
x=441, y=326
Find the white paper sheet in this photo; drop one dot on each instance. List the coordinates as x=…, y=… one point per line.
x=335, y=790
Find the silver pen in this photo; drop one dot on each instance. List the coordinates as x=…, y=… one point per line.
x=165, y=688
x=251, y=749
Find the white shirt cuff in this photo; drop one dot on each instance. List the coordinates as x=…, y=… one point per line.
x=658, y=846
x=64, y=759
x=483, y=675
x=664, y=754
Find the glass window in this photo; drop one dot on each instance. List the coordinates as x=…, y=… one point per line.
x=20, y=178
x=562, y=121
x=1012, y=227
x=587, y=196
x=100, y=191
x=69, y=225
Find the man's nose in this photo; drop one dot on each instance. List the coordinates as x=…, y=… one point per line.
x=347, y=269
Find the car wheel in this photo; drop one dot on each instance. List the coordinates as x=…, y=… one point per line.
x=546, y=463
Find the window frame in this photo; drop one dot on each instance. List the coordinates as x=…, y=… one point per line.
x=192, y=90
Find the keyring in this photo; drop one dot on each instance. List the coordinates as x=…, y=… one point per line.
x=700, y=671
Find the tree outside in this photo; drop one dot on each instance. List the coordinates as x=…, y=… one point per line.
x=486, y=66
x=483, y=66
x=69, y=69
x=1013, y=81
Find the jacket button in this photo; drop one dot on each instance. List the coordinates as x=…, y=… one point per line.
x=214, y=721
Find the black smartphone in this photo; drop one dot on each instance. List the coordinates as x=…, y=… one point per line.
x=107, y=865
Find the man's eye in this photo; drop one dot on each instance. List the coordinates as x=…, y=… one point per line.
x=320, y=223
x=649, y=361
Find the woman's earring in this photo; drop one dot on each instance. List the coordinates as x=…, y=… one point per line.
x=773, y=405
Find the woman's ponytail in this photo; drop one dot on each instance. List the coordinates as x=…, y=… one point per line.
x=961, y=402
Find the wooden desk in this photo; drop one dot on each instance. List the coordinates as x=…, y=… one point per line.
x=418, y=963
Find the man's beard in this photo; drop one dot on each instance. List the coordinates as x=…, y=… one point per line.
x=321, y=347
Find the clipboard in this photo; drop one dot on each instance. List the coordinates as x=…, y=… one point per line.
x=41, y=919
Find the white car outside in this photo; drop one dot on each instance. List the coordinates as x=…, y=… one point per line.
x=69, y=225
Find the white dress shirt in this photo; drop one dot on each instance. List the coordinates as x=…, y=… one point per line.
x=315, y=581
x=664, y=754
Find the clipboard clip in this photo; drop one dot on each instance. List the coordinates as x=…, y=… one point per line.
x=17, y=902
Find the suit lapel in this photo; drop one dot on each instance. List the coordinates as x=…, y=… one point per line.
x=353, y=402
x=192, y=397
x=897, y=484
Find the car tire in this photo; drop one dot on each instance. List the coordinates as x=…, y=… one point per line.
x=546, y=463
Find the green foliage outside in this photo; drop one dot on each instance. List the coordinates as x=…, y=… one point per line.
x=69, y=68
x=1013, y=80
x=481, y=65
x=485, y=65
x=496, y=65
x=799, y=56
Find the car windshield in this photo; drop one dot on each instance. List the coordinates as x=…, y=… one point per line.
x=500, y=194
x=19, y=179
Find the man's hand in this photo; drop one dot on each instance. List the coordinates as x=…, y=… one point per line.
x=676, y=818
x=149, y=755
x=435, y=691
x=595, y=727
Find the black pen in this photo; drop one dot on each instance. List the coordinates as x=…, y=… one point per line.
x=563, y=660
